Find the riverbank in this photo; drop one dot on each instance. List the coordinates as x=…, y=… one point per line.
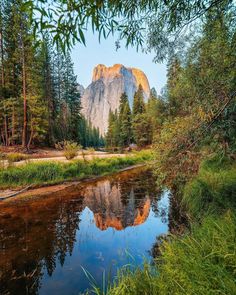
x=38, y=191
x=46, y=173
x=57, y=157
x=203, y=260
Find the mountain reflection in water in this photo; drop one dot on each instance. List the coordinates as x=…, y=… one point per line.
x=44, y=241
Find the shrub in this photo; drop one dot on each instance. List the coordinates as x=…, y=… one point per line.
x=16, y=157
x=70, y=149
x=175, y=161
x=90, y=150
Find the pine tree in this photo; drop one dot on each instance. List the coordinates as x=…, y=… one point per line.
x=2, y=70
x=72, y=97
x=138, y=103
x=140, y=123
x=40, y=102
x=142, y=129
x=48, y=86
x=156, y=113
x=125, y=123
x=110, y=132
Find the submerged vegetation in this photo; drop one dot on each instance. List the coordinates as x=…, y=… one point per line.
x=53, y=172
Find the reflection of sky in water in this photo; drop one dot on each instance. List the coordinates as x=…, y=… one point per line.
x=117, y=224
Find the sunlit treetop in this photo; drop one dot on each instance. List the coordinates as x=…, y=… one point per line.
x=157, y=23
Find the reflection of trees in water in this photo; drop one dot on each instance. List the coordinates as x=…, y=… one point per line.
x=177, y=222
x=66, y=226
x=34, y=234
x=177, y=216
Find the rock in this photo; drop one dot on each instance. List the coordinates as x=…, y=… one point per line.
x=103, y=94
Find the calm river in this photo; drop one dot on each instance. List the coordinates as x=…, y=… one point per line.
x=45, y=242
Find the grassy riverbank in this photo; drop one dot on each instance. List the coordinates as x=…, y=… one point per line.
x=53, y=172
x=203, y=261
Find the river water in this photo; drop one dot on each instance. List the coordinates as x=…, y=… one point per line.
x=47, y=243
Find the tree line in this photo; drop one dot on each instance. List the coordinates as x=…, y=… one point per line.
x=39, y=96
x=136, y=126
x=200, y=99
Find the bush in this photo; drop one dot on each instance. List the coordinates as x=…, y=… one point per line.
x=176, y=163
x=16, y=157
x=70, y=149
x=90, y=150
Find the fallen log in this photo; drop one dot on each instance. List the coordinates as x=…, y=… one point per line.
x=15, y=193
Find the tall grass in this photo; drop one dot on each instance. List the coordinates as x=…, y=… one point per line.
x=203, y=262
x=212, y=191
x=51, y=172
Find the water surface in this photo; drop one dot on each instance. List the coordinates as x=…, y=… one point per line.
x=100, y=226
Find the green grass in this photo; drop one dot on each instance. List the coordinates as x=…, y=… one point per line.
x=212, y=191
x=203, y=261
x=52, y=172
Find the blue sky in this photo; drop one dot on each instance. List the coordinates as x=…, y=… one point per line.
x=86, y=58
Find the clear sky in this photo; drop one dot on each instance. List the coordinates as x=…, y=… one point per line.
x=86, y=58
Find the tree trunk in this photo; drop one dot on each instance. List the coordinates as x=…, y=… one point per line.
x=2, y=55
x=13, y=126
x=3, y=137
x=31, y=134
x=6, y=130
x=25, y=118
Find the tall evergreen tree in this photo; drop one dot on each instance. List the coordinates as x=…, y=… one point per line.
x=40, y=102
x=125, y=122
x=138, y=103
x=140, y=123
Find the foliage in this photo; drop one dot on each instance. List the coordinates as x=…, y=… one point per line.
x=70, y=149
x=113, y=132
x=126, y=127
x=90, y=150
x=40, y=101
x=164, y=22
x=142, y=129
x=174, y=162
x=198, y=122
x=200, y=101
x=125, y=132
x=16, y=157
x=52, y=172
x=89, y=136
x=156, y=114
x=138, y=103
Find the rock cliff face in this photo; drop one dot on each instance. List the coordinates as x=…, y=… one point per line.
x=109, y=211
x=103, y=94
